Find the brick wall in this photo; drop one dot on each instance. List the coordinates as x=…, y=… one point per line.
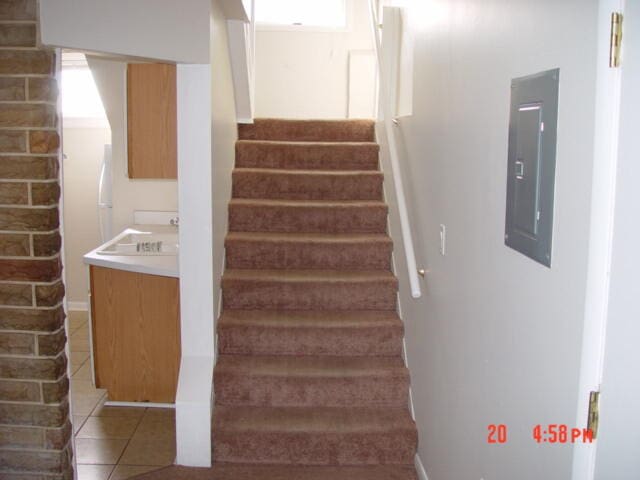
x=35, y=431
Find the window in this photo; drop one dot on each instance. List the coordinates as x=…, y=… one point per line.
x=80, y=97
x=307, y=13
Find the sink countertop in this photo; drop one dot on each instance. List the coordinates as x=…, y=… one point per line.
x=163, y=265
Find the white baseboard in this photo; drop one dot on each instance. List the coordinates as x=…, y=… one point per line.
x=77, y=306
x=422, y=473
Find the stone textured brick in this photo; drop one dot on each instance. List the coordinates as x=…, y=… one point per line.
x=55, y=392
x=12, y=88
x=28, y=168
x=51, y=344
x=13, y=141
x=27, y=114
x=26, y=62
x=17, y=35
x=58, y=438
x=17, y=344
x=45, y=193
x=17, y=437
x=49, y=295
x=14, y=245
x=43, y=141
x=43, y=89
x=16, y=294
x=14, y=193
x=31, y=270
x=18, y=10
x=29, y=219
x=29, y=461
x=33, y=368
x=47, y=244
x=36, y=415
x=15, y=391
x=28, y=319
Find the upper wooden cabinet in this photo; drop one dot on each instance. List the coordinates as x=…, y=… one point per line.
x=152, y=120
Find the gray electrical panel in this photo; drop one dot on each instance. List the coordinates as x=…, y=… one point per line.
x=532, y=164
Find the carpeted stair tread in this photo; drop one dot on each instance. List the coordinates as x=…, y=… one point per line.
x=314, y=319
x=315, y=420
x=348, y=216
x=312, y=276
x=309, y=289
x=273, y=250
x=230, y=471
x=311, y=366
x=307, y=381
x=307, y=155
x=306, y=184
x=314, y=436
x=308, y=130
x=269, y=332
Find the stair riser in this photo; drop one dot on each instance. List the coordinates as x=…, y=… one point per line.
x=306, y=157
x=379, y=447
x=253, y=340
x=256, y=295
x=301, y=255
x=277, y=391
x=307, y=219
x=287, y=186
x=307, y=131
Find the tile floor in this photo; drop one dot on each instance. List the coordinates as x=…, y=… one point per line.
x=112, y=443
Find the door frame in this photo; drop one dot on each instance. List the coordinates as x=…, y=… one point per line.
x=607, y=118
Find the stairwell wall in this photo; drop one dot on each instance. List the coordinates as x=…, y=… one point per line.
x=304, y=73
x=495, y=338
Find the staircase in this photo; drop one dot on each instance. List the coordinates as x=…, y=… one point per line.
x=310, y=382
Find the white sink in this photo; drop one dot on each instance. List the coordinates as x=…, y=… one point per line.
x=141, y=244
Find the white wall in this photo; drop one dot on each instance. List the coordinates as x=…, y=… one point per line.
x=619, y=436
x=304, y=73
x=84, y=148
x=128, y=195
x=496, y=337
x=224, y=133
x=166, y=30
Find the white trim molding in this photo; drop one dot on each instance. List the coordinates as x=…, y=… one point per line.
x=422, y=473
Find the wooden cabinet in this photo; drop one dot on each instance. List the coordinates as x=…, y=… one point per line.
x=152, y=121
x=135, y=322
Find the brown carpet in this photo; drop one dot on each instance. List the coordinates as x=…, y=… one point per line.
x=310, y=382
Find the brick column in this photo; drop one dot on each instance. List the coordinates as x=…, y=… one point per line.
x=35, y=431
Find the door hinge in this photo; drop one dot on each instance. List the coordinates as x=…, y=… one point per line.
x=594, y=413
x=615, y=43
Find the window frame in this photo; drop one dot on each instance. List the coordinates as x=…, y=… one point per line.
x=281, y=27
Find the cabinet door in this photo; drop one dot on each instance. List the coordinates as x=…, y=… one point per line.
x=152, y=120
x=135, y=324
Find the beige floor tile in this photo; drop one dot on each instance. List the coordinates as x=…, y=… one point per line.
x=144, y=450
x=109, y=427
x=156, y=427
x=83, y=403
x=84, y=372
x=77, y=319
x=122, y=472
x=99, y=451
x=84, y=385
x=79, y=341
x=94, y=472
x=78, y=421
x=157, y=413
x=103, y=411
x=78, y=358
